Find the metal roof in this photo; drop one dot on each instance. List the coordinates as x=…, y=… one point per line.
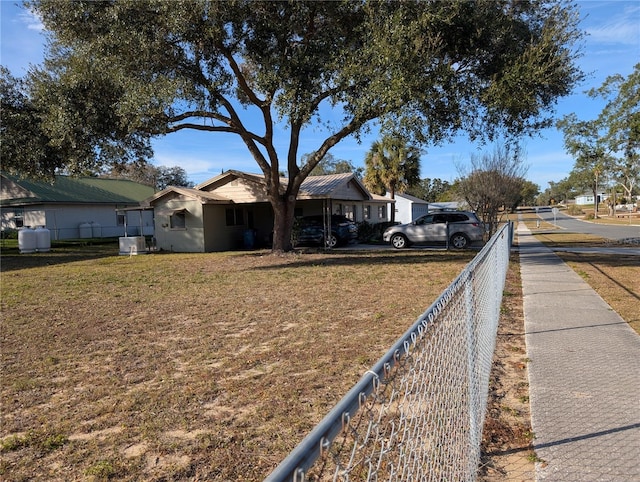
x=84, y=190
x=323, y=185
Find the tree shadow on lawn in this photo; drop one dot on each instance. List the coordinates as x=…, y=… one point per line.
x=371, y=258
x=603, y=259
x=568, y=239
x=11, y=259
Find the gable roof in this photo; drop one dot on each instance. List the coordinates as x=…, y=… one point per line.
x=72, y=190
x=228, y=176
x=323, y=186
x=205, y=197
x=409, y=197
x=312, y=187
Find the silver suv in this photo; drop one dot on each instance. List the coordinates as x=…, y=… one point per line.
x=460, y=227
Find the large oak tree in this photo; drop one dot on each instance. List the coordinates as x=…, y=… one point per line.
x=118, y=73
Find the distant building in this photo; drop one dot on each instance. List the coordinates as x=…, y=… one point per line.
x=588, y=198
x=408, y=207
x=75, y=207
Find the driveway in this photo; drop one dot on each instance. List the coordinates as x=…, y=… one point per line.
x=607, y=231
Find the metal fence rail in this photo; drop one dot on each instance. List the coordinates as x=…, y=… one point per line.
x=417, y=415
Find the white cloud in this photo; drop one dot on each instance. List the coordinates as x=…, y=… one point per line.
x=623, y=28
x=31, y=20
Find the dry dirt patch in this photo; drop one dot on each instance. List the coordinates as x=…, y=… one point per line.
x=192, y=366
x=507, y=453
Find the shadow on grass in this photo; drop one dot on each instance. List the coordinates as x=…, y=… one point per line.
x=61, y=252
x=595, y=260
x=371, y=257
x=604, y=259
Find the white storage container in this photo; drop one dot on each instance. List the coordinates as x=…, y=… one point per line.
x=133, y=245
x=27, y=240
x=43, y=239
x=85, y=230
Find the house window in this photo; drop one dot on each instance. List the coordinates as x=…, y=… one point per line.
x=349, y=212
x=382, y=212
x=178, y=220
x=235, y=217
x=18, y=217
x=120, y=219
x=367, y=212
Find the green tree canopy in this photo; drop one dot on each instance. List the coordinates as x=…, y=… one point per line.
x=391, y=166
x=118, y=73
x=330, y=165
x=159, y=177
x=620, y=121
x=431, y=190
x=593, y=161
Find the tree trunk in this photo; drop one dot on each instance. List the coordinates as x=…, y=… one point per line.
x=283, y=212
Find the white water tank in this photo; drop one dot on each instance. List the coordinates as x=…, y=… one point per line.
x=133, y=245
x=85, y=230
x=27, y=240
x=43, y=239
x=96, y=230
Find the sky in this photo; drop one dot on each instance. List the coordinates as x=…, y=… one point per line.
x=611, y=46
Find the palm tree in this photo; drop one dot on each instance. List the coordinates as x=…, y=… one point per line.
x=391, y=166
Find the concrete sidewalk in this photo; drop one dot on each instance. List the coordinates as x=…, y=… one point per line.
x=584, y=374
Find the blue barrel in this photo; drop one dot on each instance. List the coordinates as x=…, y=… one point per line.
x=249, y=239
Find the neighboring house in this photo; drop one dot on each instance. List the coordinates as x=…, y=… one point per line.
x=408, y=208
x=444, y=206
x=587, y=198
x=221, y=213
x=73, y=207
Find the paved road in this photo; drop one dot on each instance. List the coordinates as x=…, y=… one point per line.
x=608, y=231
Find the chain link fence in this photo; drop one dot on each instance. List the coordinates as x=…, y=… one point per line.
x=417, y=415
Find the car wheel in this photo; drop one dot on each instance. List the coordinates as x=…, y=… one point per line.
x=459, y=241
x=332, y=241
x=398, y=241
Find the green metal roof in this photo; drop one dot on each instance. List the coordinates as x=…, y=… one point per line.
x=92, y=190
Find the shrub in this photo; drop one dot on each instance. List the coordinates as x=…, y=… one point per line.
x=574, y=210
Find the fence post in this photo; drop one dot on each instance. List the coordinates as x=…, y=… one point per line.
x=475, y=434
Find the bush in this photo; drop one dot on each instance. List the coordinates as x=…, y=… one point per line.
x=372, y=233
x=9, y=233
x=574, y=210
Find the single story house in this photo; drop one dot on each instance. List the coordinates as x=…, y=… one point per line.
x=588, y=198
x=408, y=208
x=220, y=213
x=75, y=207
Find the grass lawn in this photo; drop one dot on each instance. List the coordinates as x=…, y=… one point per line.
x=191, y=366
